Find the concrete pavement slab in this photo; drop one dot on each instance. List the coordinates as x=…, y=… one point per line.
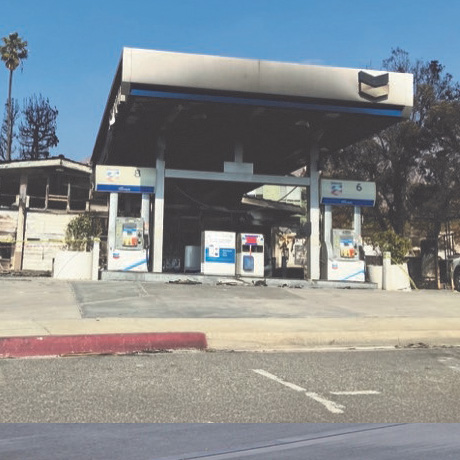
x=37, y=298
x=232, y=317
x=160, y=300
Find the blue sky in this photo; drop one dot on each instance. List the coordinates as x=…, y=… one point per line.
x=75, y=46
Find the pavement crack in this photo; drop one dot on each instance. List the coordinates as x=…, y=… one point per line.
x=77, y=299
x=44, y=327
x=270, y=447
x=118, y=299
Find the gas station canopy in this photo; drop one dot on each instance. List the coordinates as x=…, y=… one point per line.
x=215, y=128
x=200, y=105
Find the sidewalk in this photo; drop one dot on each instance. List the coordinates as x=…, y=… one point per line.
x=34, y=310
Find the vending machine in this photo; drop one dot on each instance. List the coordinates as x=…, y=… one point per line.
x=218, y=253
x=250, y=255
x=131, y=245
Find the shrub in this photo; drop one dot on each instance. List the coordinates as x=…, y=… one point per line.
x=81, y=231
x=389, y=241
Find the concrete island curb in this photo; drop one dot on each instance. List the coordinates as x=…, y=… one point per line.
x=129, y=335
x=65, y=345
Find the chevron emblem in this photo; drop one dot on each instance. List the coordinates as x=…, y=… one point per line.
x=373, y=87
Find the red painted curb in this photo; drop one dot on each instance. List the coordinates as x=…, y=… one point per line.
x=19, y=347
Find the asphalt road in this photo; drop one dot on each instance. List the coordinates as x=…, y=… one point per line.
x=386, y=386
x=224, y=441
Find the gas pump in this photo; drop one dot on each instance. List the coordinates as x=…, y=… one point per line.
x=340, y=251
x=340, y=248
x=128, y=239
x=250, y=255
x=128, y=233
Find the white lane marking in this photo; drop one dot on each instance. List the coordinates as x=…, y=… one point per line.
x=354, y=393
x=292, y=386
x=449, y=362
x=331, y=406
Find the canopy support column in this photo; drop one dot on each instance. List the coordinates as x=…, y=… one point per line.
x=314, y=216
x=158, y=219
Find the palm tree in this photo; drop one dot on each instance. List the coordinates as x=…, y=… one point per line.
x=13, y=52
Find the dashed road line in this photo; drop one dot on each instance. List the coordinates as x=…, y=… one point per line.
x=331, y=406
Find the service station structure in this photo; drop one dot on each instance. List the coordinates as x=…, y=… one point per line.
x=214, y=128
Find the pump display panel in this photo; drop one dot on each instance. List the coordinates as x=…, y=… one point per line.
x=345, y=245
x=130, y=249
x=129, y=234
x=340, y=257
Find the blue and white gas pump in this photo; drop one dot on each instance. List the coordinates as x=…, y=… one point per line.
x=340, y=248
x=128, y=235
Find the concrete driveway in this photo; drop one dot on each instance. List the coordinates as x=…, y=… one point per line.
x=232, y=317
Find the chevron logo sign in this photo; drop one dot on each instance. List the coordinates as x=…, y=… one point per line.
x=373, y=87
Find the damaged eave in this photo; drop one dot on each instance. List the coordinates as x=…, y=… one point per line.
x=47, y=163
x=116, y=96
x=271, y=205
